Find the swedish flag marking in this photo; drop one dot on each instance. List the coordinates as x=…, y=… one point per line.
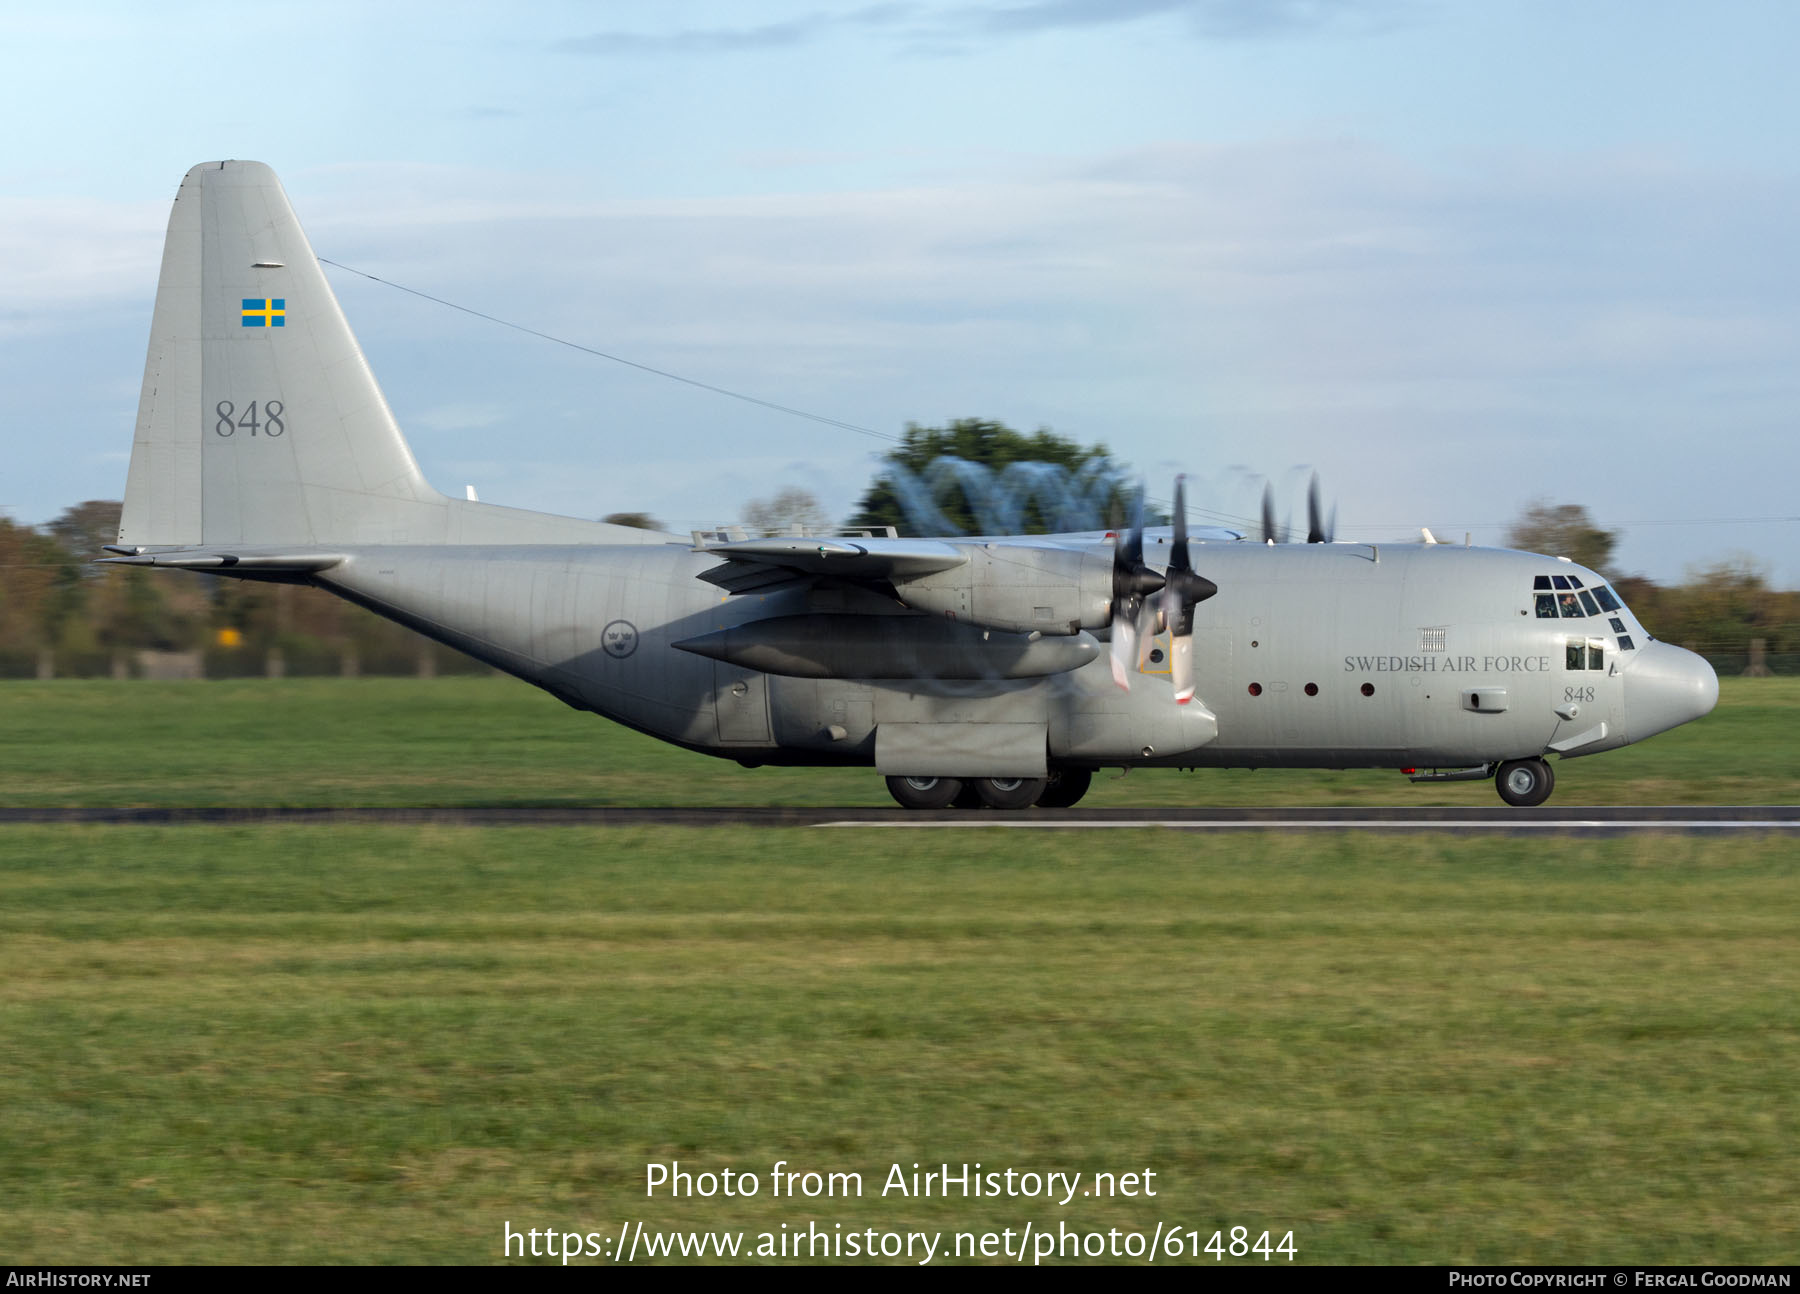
x=265, y=312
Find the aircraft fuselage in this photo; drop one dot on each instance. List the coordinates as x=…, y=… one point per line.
x=1341, y=655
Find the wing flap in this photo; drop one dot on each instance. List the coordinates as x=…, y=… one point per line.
x=759, y=565
x=861, y=559
x=747, y=577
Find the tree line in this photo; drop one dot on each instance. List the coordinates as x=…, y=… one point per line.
x=61, y=615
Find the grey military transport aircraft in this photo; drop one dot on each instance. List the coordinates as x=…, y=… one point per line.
x=966, y=671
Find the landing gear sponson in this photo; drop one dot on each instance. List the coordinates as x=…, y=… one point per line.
x=1060, y=790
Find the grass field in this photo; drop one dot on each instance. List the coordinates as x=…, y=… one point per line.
x=374, y=1044
x=494, y=741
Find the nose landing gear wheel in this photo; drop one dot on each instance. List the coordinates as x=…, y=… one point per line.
x=1009, y=792
x=1524, y=783
x=924, y=792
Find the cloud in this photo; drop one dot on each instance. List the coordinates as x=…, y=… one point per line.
x=66, y=257
x=726, y=40
x=1217, y=19
x=733, y=40
x=1439, y=343
x=460, y=417
x=1299, y=265
x=945, y=30
x=1443, y=344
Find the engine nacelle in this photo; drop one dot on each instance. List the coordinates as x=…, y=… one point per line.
x=1018, y=588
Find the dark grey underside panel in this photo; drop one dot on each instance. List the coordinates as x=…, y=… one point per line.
x=960, y=750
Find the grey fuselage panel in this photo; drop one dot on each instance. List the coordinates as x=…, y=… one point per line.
x=1309, y=656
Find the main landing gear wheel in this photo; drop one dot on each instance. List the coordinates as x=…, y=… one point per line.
x=1525, y=783
x=924, y=792
x=1009, y=792
x=1067, y=785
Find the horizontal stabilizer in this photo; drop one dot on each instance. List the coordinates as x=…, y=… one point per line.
x=229, y=563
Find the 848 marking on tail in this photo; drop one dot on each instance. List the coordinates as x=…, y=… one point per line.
x=270, y=424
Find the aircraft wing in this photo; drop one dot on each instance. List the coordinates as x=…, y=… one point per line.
x=757, y=565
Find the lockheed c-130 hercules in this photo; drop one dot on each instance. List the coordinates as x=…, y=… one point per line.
x=961, y=669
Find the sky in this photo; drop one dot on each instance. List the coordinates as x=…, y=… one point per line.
x=1457, y=257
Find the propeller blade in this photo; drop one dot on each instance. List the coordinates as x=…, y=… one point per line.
x=1170, y=600
x=1133, y=583
x=1268, y=514
x=1181, y=666
x=1183, y=590
x=1124, y=647
x=1315, y=520
x=1131, y=552
x=1178, y=550
x=1147, y=623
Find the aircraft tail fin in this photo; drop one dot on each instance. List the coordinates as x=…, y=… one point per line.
x=260, y=422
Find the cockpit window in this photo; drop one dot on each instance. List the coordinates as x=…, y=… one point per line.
x=1571, y=601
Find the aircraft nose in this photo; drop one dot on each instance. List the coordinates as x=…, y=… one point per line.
x=1667, y=686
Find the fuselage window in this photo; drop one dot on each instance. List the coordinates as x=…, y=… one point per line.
x=1546, y=606
x=1584, y=653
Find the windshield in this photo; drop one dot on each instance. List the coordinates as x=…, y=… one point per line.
x=1563, y=597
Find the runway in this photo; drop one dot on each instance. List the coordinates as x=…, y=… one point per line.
x=1577, y=820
